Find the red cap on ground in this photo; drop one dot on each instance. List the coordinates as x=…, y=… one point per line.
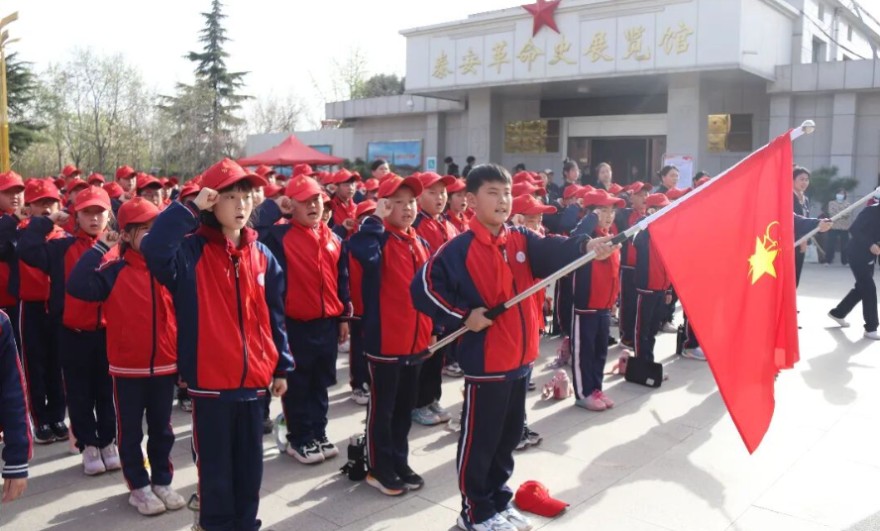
x=534, y=497
x=136, y=211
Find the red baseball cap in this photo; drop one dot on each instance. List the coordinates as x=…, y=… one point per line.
x=264, y=171
x=59, y=183
x=602, y=198
x=656, y=200
x=457, y=186
x=371, y=184
x=196, y=180
x=571, y=190
x=365, y=207
x=343, y=176
x=76, y=184
x=226, y=173
x=527, y=177
x=302, y=187
x=70, y=171
x=165, y=182
x=389, y=175
x=527, y=188
x=280, y=176
x=429, y=179
x=10, y=180
x=37, y=189
x=145, y=181
x=138, y=210
x=638, y=186
x=676, y=193
x=529, y=205
x=125, y=172
x=615, y=189
x=585, y=189
x=390, y=186
x=114, y=190
x=96, y=178
x=325, y=198
x=93, y=196
x=703, y=180
x=174, y=181
x=303, y=169
x=271, y=190
x=534, y=497
x=190, y=188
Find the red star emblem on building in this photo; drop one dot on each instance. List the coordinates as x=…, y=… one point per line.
x=542, y=12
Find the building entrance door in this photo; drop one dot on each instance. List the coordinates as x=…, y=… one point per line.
x=631, y=158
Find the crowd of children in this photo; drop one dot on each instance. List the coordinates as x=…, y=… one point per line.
x=241, y=285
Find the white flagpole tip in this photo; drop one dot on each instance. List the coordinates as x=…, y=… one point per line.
x=808, y=126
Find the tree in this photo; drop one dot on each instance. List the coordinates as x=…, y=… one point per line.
x=347, y=78
x=22, y=87
x=271, y=115
x=381, y=85
x=824, y=184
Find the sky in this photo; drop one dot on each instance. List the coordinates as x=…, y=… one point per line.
x=284, y=44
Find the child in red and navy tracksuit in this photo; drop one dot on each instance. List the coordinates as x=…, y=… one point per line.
x=83, y=339
x=359, y=373
x=231, y=343
x=11, y=204
x=480, y=269
x=38, y=327
x=390, y=252
x=142, y=353
x=14, y=422
x=316, y=307
x=595, y=290
x=652, y=286
x=342, y=206
x=435, y=229
x=626, y=218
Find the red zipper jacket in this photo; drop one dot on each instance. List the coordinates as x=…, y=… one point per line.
x=435, y=232
x=597, y=284
x=389, y=259
x=312, y=260
x=56, y=257
x=342, y=211
x=650, y=273
x=141, y=326
x=231, y=336
x=478, y=269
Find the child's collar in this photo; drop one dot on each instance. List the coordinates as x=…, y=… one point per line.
x=483, y=235
x=213, y=235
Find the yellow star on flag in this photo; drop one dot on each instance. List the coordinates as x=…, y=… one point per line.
x=766, y=251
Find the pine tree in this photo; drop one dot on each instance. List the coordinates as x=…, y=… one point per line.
x=22, y=86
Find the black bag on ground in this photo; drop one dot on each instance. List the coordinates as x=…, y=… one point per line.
x=356, y=467
x=680, y=337
x=643, y=372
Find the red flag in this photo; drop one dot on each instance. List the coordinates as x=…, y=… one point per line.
x=729, y=250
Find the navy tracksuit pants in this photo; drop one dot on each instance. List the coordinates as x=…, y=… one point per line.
x=865, y=291
x=13, y=313
x=359, y=373
x=314, y=345
x=228, y=443
x=492, y=423
x=135, y=398
x=650, y=309
x=589, y=350
x=564, y=289
x=42, y=364
x=690, y=339
x=628, y=301
x=431, y=379
x=89, y=387
x=389, y=416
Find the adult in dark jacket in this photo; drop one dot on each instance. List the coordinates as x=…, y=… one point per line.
x=862, y=250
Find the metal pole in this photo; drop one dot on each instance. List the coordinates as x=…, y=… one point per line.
x=4, y=115
x=806, y=128
x=840, y=214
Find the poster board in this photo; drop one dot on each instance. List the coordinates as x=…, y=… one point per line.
x=685, y=165
x=403, y=155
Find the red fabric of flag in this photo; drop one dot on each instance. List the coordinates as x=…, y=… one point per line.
x=729, y=250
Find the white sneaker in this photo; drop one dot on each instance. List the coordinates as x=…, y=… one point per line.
x=517, y=519
x=842, y=322
x=669, y=328
x=693, y=354
x=872, y=335
x=307, y=454
x=146, y=502
x=496, y=523
x=92, y=463
x=344, y=348
x=361, y=397
x=110, y=456
x=172, y=500
x=442, y=414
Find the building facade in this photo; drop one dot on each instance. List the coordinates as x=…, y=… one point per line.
x=636, y=83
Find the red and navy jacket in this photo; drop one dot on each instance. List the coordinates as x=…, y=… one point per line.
x=624, y=218
x=56, y=257
x=231, y=338
x=389, y=259
x=8, y=222
x=564, y=221
x=312, y=259
x=435, y=232
x=459, y=221
x=18, y=446
x=31, y=284
x=596, y=285
x=342, y=211
x=478, y=269
x=864, y=232
x=141, y=328
x=650, y=271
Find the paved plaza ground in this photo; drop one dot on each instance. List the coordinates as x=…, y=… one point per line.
x=665, y=459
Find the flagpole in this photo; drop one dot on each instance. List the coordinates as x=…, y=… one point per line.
x=805, y=128
x=843, y=213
